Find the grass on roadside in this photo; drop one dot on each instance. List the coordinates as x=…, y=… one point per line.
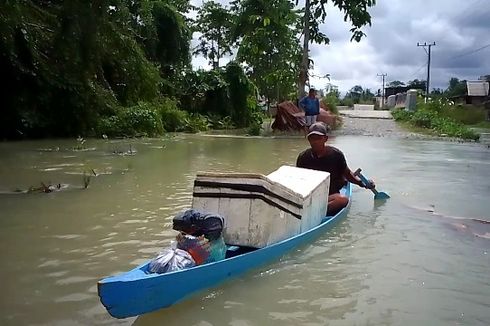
x=441, y=118
x=482, y=124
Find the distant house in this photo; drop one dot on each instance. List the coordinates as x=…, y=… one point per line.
x=477, y=93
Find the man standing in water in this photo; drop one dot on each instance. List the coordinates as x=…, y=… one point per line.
x=311, y=105
x=327, y=158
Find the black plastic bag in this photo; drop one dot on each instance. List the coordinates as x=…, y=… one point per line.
x=198, y=223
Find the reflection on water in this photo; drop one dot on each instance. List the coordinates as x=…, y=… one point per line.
x=420, y=257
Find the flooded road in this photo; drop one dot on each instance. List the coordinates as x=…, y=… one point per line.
x=421, y=257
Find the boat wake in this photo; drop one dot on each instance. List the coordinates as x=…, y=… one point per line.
x=479, y=227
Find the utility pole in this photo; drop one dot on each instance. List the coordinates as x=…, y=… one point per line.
x=428, y=67
x=383, y=99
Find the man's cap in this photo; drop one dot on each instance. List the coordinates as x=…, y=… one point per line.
x=318, y=128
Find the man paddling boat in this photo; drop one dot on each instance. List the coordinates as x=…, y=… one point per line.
x=327, y=158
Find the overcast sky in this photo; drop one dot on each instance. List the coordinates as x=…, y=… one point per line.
x=460, y=29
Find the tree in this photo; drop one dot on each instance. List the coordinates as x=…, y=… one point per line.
x=214, y=22
x=355, y=94
x=367, y=96
x=437, y=91
x=334, y=93
x=418, y=84
x=167, y=38
x=68, y=64
x=395, y=83
x=456, y=87
x=266, y=34
x=315, y=12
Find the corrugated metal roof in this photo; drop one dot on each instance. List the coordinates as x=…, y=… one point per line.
x=477, y=88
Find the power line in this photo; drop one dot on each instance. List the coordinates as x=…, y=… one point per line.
x=417, y=71
x=471, y=52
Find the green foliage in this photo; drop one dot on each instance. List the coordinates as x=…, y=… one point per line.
x=417, y=84
x=401, y=114
x=266, y=32
x=219, y=93
x=315, y=13
x=241, y=95
x=173, y=119
x=331, y=101
x=432, y=116
x=66, y=64
x=347, y=101
x=424, y=118
x=456, y=87
x=195, y=123
x=217, y=122
x=354, y=11
x=214, y=22
x=467, y=115
x=395, y=83
x=173, y=36
x=142, y=119
x=78, y=68
x=203, y=91
x=256, y=121
x=359, y=95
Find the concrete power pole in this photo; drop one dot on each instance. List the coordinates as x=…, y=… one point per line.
x=383, y=100
x=427, y=86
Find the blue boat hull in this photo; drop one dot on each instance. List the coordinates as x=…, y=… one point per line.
x=137, y=292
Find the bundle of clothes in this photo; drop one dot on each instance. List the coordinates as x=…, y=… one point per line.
x=199, y=241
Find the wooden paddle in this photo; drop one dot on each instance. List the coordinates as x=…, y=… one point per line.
x=365, y=181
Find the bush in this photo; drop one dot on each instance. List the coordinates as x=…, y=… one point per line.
x=466, y=115
x=401, y=115
x=242, y=100
x=423, y=118
x=255, y=125
x=217, y=122
x=254, y=129
x=195, y=123
x=347, y=102
x=142, y=119
x=173, y=119
x=331, y=102
x=435, y=121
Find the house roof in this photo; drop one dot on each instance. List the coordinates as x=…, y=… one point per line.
x=477, y=88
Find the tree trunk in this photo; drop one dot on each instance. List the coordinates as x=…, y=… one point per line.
x=217, y=54
x=303, y=72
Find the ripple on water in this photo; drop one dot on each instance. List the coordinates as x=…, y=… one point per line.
x=120, y=243
x=50, y=263
x=233, y=304
x=290, y=301
x=67, y=236
x=296, y=317
x=134, y=221
x=327, y=303
x=57, y=274
x=74, y=297
x=74, y=280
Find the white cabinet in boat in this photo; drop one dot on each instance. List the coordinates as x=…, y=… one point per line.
x=261, y=210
